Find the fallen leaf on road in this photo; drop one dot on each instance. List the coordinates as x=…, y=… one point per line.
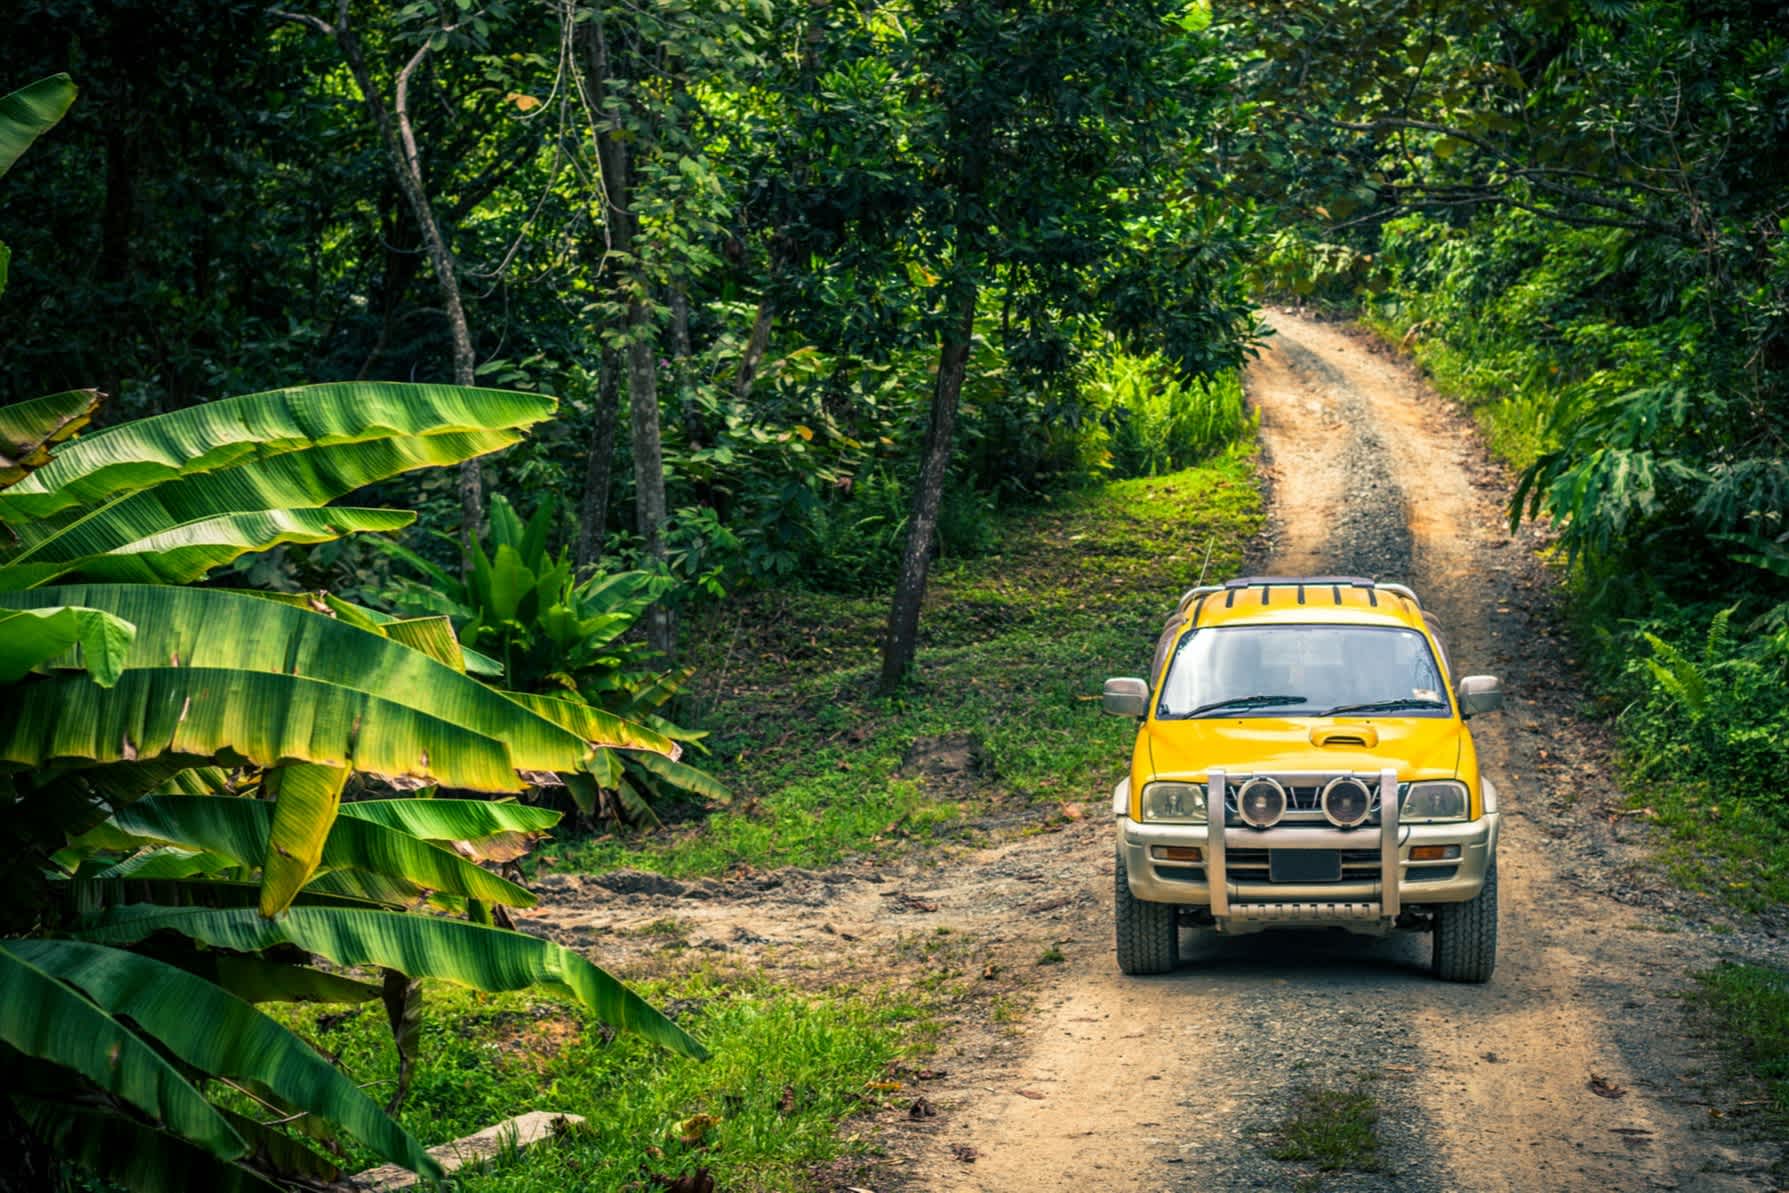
x=963, y=1152
x=1073, y=812
x=1032, y=1094
x=930, y=1074
x=1629, y=1131
x=1495, y=1059
x=1602, y=1087
x=921, y=1109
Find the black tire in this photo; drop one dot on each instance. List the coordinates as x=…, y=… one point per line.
x=1466, y=935
x=1148, y=933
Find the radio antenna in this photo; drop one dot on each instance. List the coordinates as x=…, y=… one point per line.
x=1209, y=543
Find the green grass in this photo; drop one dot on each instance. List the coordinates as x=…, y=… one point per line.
x=787, y=1067
x=1014, y=649
x=1748, y=1006
x=1335, y=1129
x=1725, y=847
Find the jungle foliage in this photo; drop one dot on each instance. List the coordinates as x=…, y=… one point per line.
x=1575, y=217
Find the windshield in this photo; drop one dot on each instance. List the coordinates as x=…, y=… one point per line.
x=1302, y=671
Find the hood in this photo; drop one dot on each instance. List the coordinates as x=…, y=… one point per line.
x=1418, y=747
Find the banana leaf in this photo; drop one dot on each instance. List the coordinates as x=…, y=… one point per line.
x=241, y=829
x=29, y=429
x=594, y=726
x=189, y=552
x=305, y=801
x=32, y=637
x=432, y=635
x=263, y=718
x=304, y=478
x=43, y=1018
x=223, y=1036
x=682, y=775
x=484, y=958
x=29, y=112
x=219, y=434
x=453, y=819
x=216, y=628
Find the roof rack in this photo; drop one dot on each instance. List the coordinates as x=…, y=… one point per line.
x=1301, y=582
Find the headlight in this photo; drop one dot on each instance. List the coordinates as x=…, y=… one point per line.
x=1174, y=803
x=1433, y=802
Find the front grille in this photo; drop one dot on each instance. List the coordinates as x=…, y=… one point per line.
x=1251, y=865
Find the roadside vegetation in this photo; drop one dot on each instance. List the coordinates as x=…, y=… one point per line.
x=1604, y=288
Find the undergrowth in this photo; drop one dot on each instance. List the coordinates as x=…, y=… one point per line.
x=1015, y=646
x=787, y=1066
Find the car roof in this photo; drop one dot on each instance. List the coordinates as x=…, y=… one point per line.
x=1294, y=600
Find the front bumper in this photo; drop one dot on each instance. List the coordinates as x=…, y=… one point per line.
x=1229, y=879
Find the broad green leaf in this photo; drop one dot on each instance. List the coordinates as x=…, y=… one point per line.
x=229, y=431
x=263, y=718
x=682, y=775
x=214, y=628
x=256, y=979
x=29, y=112
x=305, y=800
x=221, y=1035
x=41, y=1017
x=32, y=637
x=453, y=819
x=489, y=959
x=432, y=635
x=189, y=552
x=133, y=1156
x=307, y=477
x=29, y=429
x=240, y=829
x=593, y=725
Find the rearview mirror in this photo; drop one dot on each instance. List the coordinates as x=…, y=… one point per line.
x=1480, y=693
x=1125, y=698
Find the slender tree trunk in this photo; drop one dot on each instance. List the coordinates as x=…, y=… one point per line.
x=642, y=348
x=756, y=345
x=902, y=637
x=399, y=138
x=599, y=469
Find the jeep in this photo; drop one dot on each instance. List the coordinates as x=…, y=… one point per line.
x=1303, y=762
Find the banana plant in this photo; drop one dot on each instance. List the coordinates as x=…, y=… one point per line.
x=566, y=640
x=190, y=764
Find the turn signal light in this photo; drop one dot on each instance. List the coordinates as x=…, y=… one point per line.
x=1177, y=853
x=1434, y=853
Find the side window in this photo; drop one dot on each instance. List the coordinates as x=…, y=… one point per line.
x=1440, y=642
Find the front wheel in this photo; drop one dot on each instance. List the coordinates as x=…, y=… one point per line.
x=1148, y=933
x=1466, y=935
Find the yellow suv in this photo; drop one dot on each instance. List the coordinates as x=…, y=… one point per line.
x=1303, y=761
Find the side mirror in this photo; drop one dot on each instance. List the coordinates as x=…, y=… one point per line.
x=1480, y=693
x=1125, y=698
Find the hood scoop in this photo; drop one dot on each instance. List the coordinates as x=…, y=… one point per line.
x=1359, y=736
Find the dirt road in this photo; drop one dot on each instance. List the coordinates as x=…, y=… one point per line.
x=1571, y=1069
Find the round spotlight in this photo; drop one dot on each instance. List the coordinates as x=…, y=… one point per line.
x=1261, y=802
x=1347, y=802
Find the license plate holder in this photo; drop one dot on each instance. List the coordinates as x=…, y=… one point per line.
x=1304, y=865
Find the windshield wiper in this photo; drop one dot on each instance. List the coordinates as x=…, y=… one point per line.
x=1243, y=702
x=1383, y=706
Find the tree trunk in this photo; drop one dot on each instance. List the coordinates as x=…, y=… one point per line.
x=642, y=348
x=399, y=139
x=902, y=637
x=599, y=470
x=649, y=462
x=755, y=347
